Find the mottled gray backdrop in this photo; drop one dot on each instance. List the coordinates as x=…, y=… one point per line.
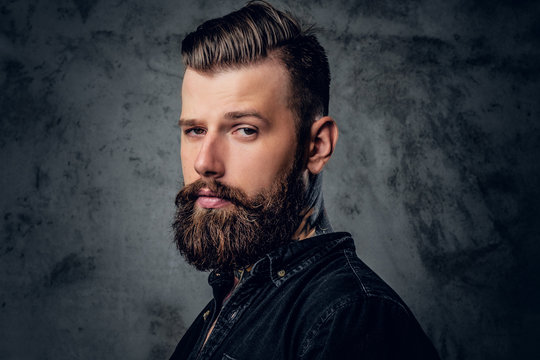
x=436, y=172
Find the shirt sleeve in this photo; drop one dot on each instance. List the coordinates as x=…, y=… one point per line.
x=374, y=328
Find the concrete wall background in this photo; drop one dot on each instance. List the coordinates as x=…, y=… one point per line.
x=436, y=173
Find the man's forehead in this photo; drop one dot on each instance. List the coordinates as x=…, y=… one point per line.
x=265, y=66
x=253, y=86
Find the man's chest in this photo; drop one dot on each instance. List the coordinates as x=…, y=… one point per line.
x=262, y=325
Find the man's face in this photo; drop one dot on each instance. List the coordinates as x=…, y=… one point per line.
x=237, y=129
x=244, y=191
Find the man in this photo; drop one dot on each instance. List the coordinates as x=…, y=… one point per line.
x=255, y=137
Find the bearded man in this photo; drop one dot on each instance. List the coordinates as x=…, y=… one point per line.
x=255, y=137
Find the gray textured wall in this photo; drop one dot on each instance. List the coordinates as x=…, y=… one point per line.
x=436, y=173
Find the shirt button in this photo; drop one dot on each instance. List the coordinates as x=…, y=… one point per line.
x=281, y=273
x=205, y=315
x=233, y=315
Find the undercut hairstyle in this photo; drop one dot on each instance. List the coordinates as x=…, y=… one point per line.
x=257, y=32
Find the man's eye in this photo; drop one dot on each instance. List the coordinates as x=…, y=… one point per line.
x=246, y=131
x=195, y=131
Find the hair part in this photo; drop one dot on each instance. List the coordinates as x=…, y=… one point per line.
x=257, y=32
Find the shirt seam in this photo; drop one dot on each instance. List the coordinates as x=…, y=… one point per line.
x=355, y=273
x=368, y=293
x=315, y=329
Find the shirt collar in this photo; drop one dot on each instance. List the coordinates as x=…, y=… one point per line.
x=279, y=265
x=284, y=262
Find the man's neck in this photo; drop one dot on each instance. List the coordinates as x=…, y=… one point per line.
x=314, y=218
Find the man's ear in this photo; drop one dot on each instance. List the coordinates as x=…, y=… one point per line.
x=324, y=136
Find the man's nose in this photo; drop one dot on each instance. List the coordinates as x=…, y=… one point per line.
x=209, y=162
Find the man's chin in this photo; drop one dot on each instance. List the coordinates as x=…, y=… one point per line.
x=213, y=233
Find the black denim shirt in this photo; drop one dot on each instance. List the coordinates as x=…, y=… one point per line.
x=312, y=299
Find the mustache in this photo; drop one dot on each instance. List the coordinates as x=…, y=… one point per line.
x=190, y=193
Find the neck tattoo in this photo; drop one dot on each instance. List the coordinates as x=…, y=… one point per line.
x=314, y=218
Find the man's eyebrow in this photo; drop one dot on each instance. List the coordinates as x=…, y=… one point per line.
x=234, y=115
x=186, y=122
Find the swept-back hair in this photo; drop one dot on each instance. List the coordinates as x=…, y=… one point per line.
x=259, y=31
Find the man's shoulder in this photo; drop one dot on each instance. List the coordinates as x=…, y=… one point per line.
x=348, y=309
x=340, y=278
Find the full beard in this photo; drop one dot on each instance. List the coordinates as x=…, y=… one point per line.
x=238, y=235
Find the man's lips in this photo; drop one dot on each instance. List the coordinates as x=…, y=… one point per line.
x=209, y=200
